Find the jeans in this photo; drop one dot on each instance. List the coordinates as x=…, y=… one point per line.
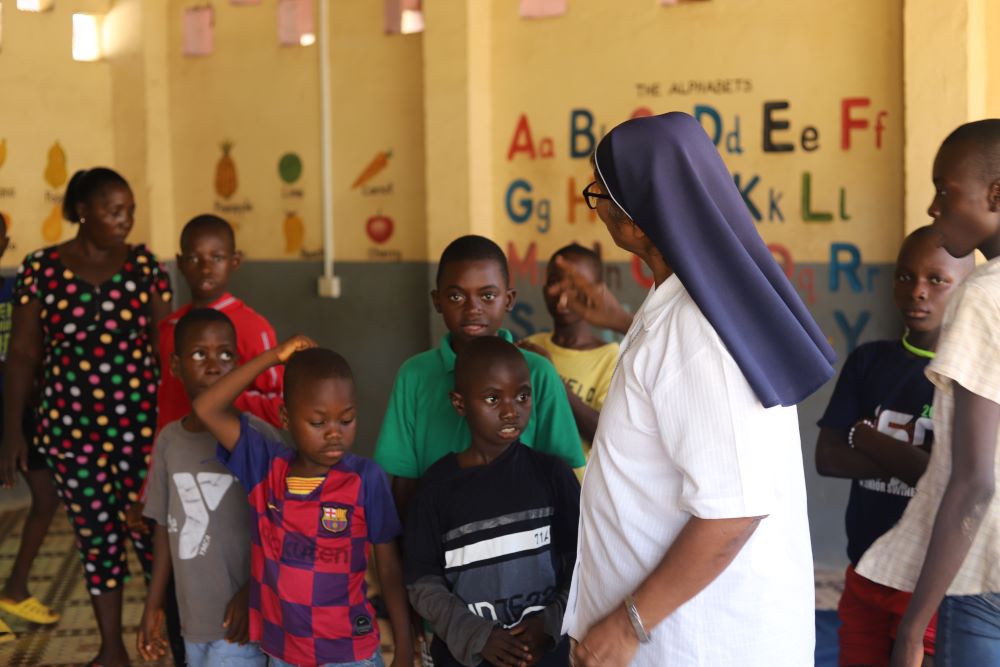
x=221, y=652
x=374, y=661
x=968, y=631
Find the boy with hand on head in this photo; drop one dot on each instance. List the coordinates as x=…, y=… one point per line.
x=420, y=425
x=202, y=532
x=316, y=509
x=584, y=361
x=945, y=546
x=491, y=534
x=877, y=431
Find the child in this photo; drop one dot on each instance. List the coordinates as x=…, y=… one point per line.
x=15, y=598
x=491, y=534
x=316, y=509
x=945, y=546
x=207, y=261
x=420, y=425
x=877, y=432
x=202, y=529
x=584, y=361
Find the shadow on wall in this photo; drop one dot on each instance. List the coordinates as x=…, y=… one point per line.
x=380, y=320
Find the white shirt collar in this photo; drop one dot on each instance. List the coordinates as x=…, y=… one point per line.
x=659, y=300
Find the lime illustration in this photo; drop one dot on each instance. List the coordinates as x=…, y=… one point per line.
x=290, y=167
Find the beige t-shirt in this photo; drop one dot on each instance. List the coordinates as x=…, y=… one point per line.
x=968, y=353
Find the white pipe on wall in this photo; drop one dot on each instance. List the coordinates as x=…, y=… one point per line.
x=328, y=284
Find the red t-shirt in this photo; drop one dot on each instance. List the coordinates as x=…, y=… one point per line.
x=254, y=335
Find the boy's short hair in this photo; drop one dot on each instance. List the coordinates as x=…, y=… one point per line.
x=194, y=320
x=577, y=251
x=469, y=364
x=316, y=363
x=208, y=223
x=473, y=248
x=984, y=137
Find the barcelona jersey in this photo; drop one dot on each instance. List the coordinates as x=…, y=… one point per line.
x=309, y=554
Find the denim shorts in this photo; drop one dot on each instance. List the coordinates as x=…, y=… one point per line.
x=221, y=652
x=374, y=661
x=968, y=631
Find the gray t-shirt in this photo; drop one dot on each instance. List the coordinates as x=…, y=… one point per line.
x=207, y=516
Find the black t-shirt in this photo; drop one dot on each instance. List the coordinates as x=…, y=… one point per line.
x=880, y=381
x=500, y=535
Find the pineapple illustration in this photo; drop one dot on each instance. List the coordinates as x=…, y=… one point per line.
x=55, y=169
x=53, y=225
x=294, y=233
x=225, y=173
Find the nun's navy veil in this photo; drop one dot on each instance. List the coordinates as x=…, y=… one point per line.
x=666, y=174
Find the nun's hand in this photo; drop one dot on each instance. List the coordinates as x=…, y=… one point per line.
x=610, y=643
x=592, y=301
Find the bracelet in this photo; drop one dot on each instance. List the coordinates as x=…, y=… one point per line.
x=636, y=620
x=863, y=422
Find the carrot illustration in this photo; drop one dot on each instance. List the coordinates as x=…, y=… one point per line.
x=378, y=163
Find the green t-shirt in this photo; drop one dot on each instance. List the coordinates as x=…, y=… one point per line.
x=421, y=425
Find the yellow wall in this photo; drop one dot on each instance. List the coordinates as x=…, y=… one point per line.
x=264, y=98
x=447, y=105
x=610, y=63
x=47, y=98
x=990, y=26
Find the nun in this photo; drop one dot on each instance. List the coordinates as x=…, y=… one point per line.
x=694, y=540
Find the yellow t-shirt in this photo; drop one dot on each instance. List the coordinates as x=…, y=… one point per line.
x=586, y=372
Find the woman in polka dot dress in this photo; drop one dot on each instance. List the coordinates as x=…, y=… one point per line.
x=85, y=317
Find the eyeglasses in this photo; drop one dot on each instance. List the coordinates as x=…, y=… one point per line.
x=592, y=197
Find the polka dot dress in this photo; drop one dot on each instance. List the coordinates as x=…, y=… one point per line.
x=97, y=410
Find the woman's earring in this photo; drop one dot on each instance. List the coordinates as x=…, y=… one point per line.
x=82, y=220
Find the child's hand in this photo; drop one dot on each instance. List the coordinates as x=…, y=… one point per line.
x=293, y=345
x=134, y=519
x=237, y=620
x=504, y=649
x=532, y=632
x=537, y=349
x=149, y=638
